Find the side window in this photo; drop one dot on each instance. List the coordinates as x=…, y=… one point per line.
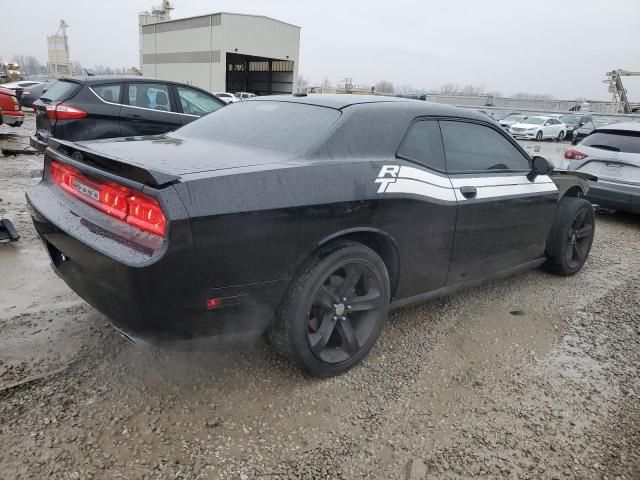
x=423, y=144
x=109, y=93
x=555, y=122
x=149, y=95
x=194, y=102
x=470, y=147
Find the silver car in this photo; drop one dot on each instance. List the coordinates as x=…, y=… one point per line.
x=612, y=153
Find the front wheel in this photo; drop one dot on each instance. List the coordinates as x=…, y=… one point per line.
x=539, y=136
x=334, y=310
x=571, y=236
x=560, y=136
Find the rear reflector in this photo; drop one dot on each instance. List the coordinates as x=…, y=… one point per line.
x=213, y=303
x=135, y=208
x=574, y=155
x=64, y=112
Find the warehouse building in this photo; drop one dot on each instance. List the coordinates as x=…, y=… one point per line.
x=224, y=52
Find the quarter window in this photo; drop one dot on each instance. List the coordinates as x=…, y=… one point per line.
x=108, y=93
x=423, y=144
x=196, y=103
x=470, y=147
x=149, y=95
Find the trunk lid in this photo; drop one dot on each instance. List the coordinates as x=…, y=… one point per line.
x=161, y=160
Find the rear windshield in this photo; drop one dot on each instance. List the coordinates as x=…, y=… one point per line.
x=628, y=142
x=60, y=91
x=287, y=127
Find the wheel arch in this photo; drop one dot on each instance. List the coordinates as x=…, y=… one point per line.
x=377, y=240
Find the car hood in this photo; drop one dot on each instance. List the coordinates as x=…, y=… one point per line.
x=180, y=156
x=525, y=125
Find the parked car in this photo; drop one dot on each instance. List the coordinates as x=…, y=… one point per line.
x=539, y=128
x=227, y=97
x=573, y=121
x=612, y=153
x=31, y=94
x=512, y=119
x=220, y=228
x=11, y=113
x=584, y=130
x=88, y=108
x=244, y=95
x=19, y=87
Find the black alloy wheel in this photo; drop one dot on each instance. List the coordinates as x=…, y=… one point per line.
x=579, y=239
x=344, y=312
x=571, y=236
x=334, y=309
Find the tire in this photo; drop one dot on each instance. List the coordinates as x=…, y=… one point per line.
x=315, y=328
x=561, y=136
x=539, y=136
x=571, y=236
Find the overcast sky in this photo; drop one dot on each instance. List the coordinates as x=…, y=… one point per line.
x=558, y=47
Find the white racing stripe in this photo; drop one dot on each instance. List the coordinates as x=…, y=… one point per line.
x=415, y=187
x=415, y=181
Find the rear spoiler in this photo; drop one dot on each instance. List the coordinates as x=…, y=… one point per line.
x=112, y=165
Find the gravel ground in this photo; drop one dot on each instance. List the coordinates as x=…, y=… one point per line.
x=460, y=384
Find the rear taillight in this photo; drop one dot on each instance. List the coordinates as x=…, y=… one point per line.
x=574, y=155
x=135, y=208
x=14, y=100
x=64, y=112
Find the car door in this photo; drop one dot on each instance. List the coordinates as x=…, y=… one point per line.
x=104, y=112
x=193, y=103
x=427, y=225
x=149, y=108
x=503, y=218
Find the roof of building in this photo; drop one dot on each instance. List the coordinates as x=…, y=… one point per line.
x=229, y=13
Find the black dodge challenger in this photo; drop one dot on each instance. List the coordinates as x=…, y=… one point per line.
x=304, y=216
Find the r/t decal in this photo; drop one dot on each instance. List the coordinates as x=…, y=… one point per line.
x=388, y=174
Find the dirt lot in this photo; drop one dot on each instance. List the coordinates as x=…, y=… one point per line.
x=461, y=384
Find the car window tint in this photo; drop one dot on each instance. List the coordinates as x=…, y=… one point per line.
x=423, y=144
x=109, y=93
x=282, y=126
x=470, y=147
x=196, y=103
x=149, y=95
x=628, y=142
x=61, y=90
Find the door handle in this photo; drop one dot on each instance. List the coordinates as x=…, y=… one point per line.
x=134, y=118
x=468, y=192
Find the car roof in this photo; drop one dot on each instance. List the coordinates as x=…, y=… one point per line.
x=91, y=79
x=412, y=108
x=627, y=126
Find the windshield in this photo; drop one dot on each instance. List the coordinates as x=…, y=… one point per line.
x=615, y=141
x=514, y=118
x=61, y=91
x=282, y=126
x=535, y=120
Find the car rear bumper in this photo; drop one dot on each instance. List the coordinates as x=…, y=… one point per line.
x=155, y=296
x=615, y=195
x=12, y=118
x=36, y=142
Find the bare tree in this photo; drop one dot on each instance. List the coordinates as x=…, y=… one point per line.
x=326, y=83
x=533, y=96
x=472, y=90
x=449, y=89
x=405, y=89
x=384, y=87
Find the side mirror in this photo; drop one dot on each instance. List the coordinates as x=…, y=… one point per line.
x=539, y=166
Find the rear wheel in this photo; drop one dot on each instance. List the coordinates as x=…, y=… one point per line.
x=539, y=136
x=571, y=236
x=334, y=310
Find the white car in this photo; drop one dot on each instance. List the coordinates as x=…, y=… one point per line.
x=539, y=128
x=227, y=97
x=244, y=95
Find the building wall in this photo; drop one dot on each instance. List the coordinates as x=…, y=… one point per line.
x=194, y=50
